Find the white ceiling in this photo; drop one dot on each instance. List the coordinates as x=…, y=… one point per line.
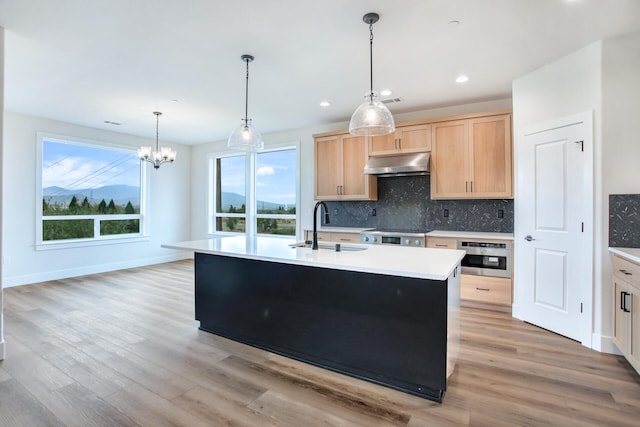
x=87, y=61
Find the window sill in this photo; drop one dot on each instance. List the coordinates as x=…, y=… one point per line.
x=85, y=243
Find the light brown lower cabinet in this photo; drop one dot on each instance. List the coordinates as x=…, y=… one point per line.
x=338, y=237
x=626, y=300
x=486, y=290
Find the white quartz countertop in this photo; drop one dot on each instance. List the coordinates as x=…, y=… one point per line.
x=632, y=254
x=422, y=263
x=471, y=235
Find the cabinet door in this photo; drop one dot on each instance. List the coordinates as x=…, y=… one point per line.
x=633, y=305
x=620, y=316
x=383, y=145
x=328, y=168
x=414, y=139
x=449, y=160
x=355, y=184
x=490, y=154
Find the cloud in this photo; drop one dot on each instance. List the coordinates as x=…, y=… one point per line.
x=266, y=170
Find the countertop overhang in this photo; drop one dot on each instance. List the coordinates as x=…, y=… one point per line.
x=403, y=261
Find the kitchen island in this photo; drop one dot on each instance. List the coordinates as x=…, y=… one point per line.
x=383, y=314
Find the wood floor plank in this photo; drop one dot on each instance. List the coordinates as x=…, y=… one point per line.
x=76, y=406
x=123, y=348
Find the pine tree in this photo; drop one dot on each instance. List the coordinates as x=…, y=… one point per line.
x=102, y=207
x=86, y=206
x=73, y=205
x=111, y=208
x=129, y=208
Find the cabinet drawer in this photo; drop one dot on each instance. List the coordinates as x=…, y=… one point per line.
x=334, y=236
x=493, y=290
x=345, y=237
x=626, y=270
x=442, y=243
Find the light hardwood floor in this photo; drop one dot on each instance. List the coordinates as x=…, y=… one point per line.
x=122, y=349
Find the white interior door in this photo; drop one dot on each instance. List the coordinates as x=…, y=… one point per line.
x=553, y=227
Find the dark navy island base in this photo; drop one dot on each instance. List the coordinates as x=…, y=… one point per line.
x=385, y=329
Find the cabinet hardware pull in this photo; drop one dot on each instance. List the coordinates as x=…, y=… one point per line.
x=622, y=301
x=342, y=239
x=623, y=271
x=483, y=289
x=466, y=186
x=626, y=309
x=441, y=246
x=472, y=186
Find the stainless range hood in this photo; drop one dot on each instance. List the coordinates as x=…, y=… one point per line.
x=398, y=165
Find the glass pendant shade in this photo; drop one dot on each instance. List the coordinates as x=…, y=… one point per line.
x=246, y=138
x=372, y=118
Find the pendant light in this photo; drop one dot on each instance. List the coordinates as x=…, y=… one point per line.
x=372, y=117
x=160, y=155
x=246, y=137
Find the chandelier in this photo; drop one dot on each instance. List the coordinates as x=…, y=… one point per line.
x=160, y=155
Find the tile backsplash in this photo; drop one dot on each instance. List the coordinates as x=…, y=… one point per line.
x=404, y=203
x=624, y=220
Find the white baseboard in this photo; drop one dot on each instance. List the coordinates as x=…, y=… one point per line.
x=26, y=279
x=604, y=344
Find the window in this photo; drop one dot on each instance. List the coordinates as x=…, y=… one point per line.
x=255, y=193
x=88, y=192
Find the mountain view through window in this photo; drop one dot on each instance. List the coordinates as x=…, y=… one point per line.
x=89, y=192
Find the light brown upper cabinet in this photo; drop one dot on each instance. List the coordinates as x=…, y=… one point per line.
x=471, y=159
x=339, y=166
x=406, y=139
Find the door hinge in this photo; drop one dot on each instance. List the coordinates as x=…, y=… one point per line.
x=582, y=226
x=581, y=145
x=580, y=307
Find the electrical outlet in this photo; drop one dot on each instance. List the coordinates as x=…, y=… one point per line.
x=373, y=212
x=445, y=213
x=335, y=212
x=500, y=213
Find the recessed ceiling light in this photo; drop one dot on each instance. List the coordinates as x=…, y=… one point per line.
x=109, y=122
x=462, y=79
x=385, y=92
x=454, y=23
x=325, y=104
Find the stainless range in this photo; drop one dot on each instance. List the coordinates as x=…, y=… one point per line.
x=402, y=238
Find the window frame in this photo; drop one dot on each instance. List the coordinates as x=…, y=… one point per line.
x=97, y=239
x=251, y=216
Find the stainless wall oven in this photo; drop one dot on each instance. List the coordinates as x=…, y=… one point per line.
x=487, y=258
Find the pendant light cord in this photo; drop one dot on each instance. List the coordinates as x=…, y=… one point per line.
x=246, y=97
x=371, y=60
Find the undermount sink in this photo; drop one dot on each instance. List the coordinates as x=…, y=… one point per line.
x=330, y=246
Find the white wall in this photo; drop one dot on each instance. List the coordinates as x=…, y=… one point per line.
x=620, y=145
x=169, y=213
x=2, y=346
x=200, y=155
x=603, y=77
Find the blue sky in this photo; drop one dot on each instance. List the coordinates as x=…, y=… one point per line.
x=74, y=166
x=275, y=176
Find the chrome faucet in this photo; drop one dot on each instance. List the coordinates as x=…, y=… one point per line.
x=314, y=242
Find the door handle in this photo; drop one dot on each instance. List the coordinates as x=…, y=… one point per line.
x=529, y=238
